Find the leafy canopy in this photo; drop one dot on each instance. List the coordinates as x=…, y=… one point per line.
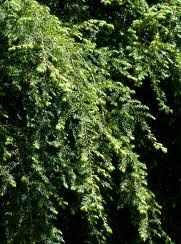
x=69, y=116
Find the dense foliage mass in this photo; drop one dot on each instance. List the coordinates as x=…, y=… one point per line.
x=80, y=83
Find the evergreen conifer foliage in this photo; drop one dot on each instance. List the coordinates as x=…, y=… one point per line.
x=67, y=123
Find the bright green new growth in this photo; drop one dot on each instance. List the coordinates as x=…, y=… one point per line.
x=75, y=124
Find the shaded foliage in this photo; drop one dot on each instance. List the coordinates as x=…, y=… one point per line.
x=77, y=135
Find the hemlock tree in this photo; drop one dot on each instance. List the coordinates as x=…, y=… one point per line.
x=71, y=124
